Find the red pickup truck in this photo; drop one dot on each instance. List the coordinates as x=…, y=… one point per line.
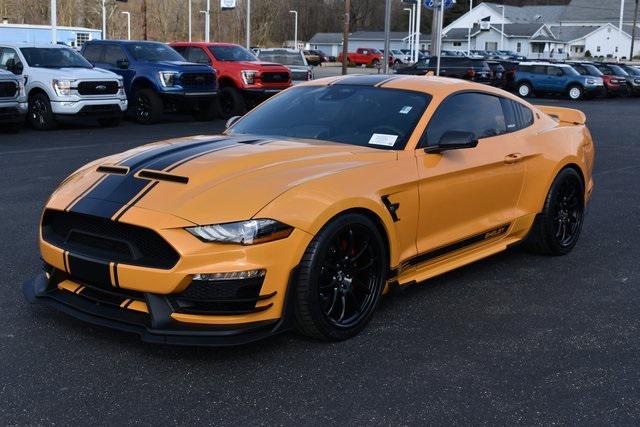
x=243, y=80
x=364, y=56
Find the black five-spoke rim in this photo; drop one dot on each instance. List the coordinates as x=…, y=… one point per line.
x=143, y=107
x=349, y=276
x=567, y=212
x=38, y=111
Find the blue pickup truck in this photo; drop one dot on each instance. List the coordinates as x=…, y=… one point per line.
x=542, y=77
x=156, y=78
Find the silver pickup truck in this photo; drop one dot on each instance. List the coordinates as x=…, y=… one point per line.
x=13, y=101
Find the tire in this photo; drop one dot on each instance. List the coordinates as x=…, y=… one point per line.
x=110, y=122
x=231, y=102
x=148, y=107
x=557, y=228
x=207, y=111
x=374, y=63
x=575, y=92
x=40, y=115
x=341, y=278
x=525, y=90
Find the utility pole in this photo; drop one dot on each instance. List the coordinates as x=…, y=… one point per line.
x=620, y=28
x=189, y=20
x=54, y=21
x=387, y=35
x=470, y=28
x=145, y=35
x=207, y=23
x=345, y=37
x=104, y=19
x=416, y=40
x=633, y=30
x=128, y=15
x=248, y=35
x=434, y=26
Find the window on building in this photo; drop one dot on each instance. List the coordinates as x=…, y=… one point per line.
x=457, y=44
x=616, y=49
x=597, y=48
x=81, y=38
x=519, y=47
x=491, y=46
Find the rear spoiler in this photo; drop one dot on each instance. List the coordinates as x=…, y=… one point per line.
x=564, y=115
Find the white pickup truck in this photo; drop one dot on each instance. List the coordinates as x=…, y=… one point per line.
x=61, y=84
x=13, y=101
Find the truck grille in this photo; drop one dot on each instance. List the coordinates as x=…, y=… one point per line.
x=107, y=240
x=270, y=77
x=8, y=89
x=198, y=79
x=98, y=88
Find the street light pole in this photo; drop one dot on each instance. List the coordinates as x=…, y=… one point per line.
x=54, y=22
x=104, y=20
x=189, y=20
x=620, y=27
x=633, y=30
x=248, y=35
x=502, y=30
x=470, y=28
x=387, y=35
x=416, y=40
x=128, y=24
x=207, y=23
x=206, y=18
x=410, y=38
x=440, y=11
x=345, y=37
x=295, y=39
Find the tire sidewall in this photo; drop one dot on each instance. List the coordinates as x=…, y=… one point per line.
x=49, y=121
x=308, y=283
x=155, y=103
x=527, y=88
x=579, y=90
x=239, y=106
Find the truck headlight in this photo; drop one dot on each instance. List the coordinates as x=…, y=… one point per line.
x=62, y=87
x=244, y=232
x=167, y=78
x=248, y=76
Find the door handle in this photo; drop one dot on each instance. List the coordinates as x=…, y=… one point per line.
x=512, y=158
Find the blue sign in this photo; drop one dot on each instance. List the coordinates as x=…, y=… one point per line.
x=431, y=4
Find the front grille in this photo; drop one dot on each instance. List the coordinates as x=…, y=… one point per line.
x=107, y=108
x=198, y=79
x=98, y=88
x=270, y=77
x=106, y=240
x=220, y=297
x=8, y=89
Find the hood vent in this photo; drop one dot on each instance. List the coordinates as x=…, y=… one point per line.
x=118, y=170
x=162, y=176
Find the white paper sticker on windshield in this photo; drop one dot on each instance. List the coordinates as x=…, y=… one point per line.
x=405, y=110
x=383, y=139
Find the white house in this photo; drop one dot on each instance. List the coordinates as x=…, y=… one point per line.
x=73, y=36
x=547, y=31
x=331, y=43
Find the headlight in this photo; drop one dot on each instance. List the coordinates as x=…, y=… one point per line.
x=591, y=81
x=636, y=81
x=62, y=87
x=21, y=88
x=244, y=232
x=167, y=78
x=248, y=76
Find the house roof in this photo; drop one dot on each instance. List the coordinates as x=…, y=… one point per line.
x=326, y=38
x=597, y=11
x=531, y=14
x=518, y=30
x=460, y=33
x=570, y=33
x=378, y=35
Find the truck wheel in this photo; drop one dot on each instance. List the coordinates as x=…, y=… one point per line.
x=575, y=92
x=375, y=62
x=207, y=111
x=524, y=90
x=148, y=107
x=110, y=122
x=230, y=102
x=40, y=114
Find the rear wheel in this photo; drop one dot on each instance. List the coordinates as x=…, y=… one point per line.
x=341, y=279
x=231, y=102
x=375, y=62
x=557, y=227
x=524, y=90
x=148, y=107
x=575, y=92
x=40, y=114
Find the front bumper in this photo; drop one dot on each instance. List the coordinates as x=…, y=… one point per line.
x=88, y=107
x=150, y=319
x=594, y=90
x=12, y=112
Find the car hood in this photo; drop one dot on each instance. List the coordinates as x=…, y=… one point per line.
x=179, y=66
x=76, y=73
x=219, y=179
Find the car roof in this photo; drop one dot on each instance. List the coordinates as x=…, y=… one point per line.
x=279, y=49
x=203, y=44
x=121, y=42
x=551, y=64
x=38, y=45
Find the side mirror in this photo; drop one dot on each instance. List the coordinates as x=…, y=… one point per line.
x=18, y=68
x=454, y=140
x=122, y=63
x=232, y=121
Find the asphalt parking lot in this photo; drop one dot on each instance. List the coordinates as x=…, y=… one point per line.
x=513, y=339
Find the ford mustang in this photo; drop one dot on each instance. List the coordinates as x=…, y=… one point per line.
x=305, y=211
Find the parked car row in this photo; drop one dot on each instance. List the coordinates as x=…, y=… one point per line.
x=48, y=84
x=575, y=79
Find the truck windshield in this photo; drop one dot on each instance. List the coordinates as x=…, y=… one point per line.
x=232, y=53
x=348, y=114
x=282, y=57
x=50, y=57
x=153, y=52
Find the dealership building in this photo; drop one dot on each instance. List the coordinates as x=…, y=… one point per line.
x=72, y=36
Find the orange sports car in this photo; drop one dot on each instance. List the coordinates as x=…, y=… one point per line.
x=309, y=208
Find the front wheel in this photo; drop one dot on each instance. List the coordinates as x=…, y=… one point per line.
x=557, y=228
x=148, y=107
x=575, y=93
x=231, y=102
x=524, y=90
x=40, y=114
x=341, y=279
x=375, y=62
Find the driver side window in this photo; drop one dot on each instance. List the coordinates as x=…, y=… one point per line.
x=477, y=113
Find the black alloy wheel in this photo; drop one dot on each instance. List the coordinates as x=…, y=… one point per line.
x=568, y=212
x=40, y=114
x=341, y=278
x=148, y=106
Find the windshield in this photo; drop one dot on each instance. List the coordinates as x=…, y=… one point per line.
x=632, y=71
x=153, y=52
x=618, y=70
x=49, y=57
x=282, y=57
x=357, y=115
x=592, y=70
x=232, y=53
